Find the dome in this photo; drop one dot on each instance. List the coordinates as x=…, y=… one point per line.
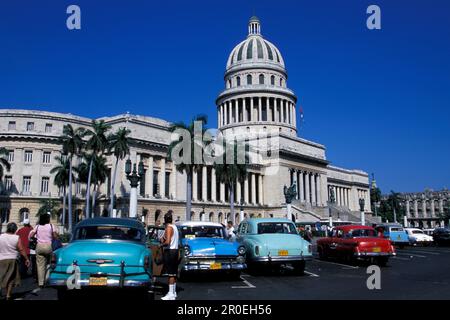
x=255, y=49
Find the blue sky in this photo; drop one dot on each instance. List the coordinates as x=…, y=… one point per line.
x=378, y=100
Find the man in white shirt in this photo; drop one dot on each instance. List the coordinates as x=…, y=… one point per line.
x=230, y=231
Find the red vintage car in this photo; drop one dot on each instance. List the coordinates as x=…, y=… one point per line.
x=355, y=242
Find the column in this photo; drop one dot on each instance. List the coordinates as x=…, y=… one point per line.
x=230, y=112
x=218, y=117
x=433, y=211
x=246, y=189
x=319, y=190
x=294, y=116
x=282, y=110
x=222, y=192
x=194, y=185
x=260, y=189
x=416, y=208
x=259, y=109
x=307, y=194
x=204, y=183
x=289, y=112
x=252, y=115
x=225, y=114
x=173, y=182
x=238, y=192
x=213, y=185
x=313, y=189
x=253, y=188
x=275, y=109
x=301, y=189
x=408, y=211
x=236, y=110
x=149, y=177
x=441, y=205
x=162, y=179
x=244, y=110
x=338, y=196
x=424, y=207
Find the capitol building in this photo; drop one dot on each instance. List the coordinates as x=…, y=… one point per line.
x=256, y=98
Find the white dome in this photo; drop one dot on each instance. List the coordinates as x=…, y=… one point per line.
x=255, y=50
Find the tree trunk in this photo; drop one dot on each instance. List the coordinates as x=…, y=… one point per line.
x=70, y=195
x=233, y=216
x=188, y=196
x=87, y=212
x=64, y=208
x=111, y=205
x=94, y=196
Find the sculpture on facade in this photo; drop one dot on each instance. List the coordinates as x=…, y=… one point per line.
x=290, y=193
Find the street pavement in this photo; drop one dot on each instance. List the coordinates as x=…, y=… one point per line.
x=416, y=273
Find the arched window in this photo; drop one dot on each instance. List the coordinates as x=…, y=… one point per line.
x=249, y=79
x=272, y=80
x=238, y=81
x=24, y=213
x=261, y=79
x=211, y=216
x=281, y=82
x=229, y=83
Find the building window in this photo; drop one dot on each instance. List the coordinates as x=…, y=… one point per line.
x=12, y=125
x=28, y=156
x=272, y=80
x=10, y=156
x=261, y=79
x=24, y=214
x=4, y=215
x=8, y=183
x=46, y=156
x=26, y=185
x=281, y=82
x=249, y=79
x=229, y=83
x=155, y=183
x=238, y=81
x=48, y=127
x=30, y=126
x=167, y=186
x=44, y=184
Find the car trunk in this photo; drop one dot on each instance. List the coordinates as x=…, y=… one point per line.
x=374, y=245
x=278, y=243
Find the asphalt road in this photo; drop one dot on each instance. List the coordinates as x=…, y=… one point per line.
x=416, y=273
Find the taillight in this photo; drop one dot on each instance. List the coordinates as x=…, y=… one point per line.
x=147, y=262
x=53, y=261
x=392, y=248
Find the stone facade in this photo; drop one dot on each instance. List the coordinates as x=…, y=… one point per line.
x=255, y=99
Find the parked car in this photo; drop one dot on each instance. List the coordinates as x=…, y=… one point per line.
x=441, y=236
x=154, y=233
x=273, y=242
x=417, y=236
x=355, y=242
x=394, y=232
x=428, y=231
x=206, y=247
x=108, y=252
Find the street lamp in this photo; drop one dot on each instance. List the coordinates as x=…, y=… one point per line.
x=134, y=176
x=361, y=208
x=330, y=204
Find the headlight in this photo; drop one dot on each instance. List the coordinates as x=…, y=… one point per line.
x=187, y=250
x=146, y=262
x=241, y=250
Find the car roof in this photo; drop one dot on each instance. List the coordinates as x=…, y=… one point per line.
x=198, y=223
x=106, y=221
x=390, y=224
x=353, y=227
x=267, y=220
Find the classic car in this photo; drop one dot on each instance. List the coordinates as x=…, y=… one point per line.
x=273, y=242
x=417, y=237
x=355, y=242
x=394, y=232
x=154, y=234
x=205, y=247
x=103, y=252
x=441, y=236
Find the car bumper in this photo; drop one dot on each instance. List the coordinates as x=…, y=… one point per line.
x=280, y=259
x=199, y=266
x=374, y=254
x=111, y=283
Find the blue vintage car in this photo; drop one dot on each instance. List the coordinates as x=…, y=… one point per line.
x=205, y=247
x=394, y=232
x=107, y=252
x=274, y=242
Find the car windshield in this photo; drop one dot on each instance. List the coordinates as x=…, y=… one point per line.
x=191, y=232
x=417, y=232
x=108, y=232
x=396, y=229
x=356, y=233
x=276, y=227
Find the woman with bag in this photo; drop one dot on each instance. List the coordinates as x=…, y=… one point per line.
x=45, y=239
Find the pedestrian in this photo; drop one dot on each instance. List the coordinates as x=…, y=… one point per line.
x=10, y=248
x=169, y=243
x=24, y=234
x=160, y=232
x=308, y=234
x=45, y=234
x=231, y=233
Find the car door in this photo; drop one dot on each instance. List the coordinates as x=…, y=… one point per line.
x=333, y=242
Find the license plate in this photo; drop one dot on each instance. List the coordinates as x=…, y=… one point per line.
x=98, y=281
x=282, y=252
x=399, y=237
x=376, y=249
x=215, y=266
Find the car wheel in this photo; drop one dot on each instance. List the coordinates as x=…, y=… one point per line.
x=299, y=268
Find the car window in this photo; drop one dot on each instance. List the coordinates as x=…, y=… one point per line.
x=243, y=228
x=396, y=229
x=361, y=233
x=192, y=232
x=276, y=227
x=108, y=232
x=417, y=232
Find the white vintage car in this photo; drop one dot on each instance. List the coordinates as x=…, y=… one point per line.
x=417, y=236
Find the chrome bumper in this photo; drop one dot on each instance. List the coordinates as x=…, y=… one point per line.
x=374, y=254
x=111, y=283
x=281, y=259
x=199, y=266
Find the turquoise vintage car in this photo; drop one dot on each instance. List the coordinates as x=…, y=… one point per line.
x=104, y=252
x=205, y=247
x=273, y=242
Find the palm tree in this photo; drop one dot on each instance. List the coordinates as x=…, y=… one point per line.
x=191, y=166
x=97, y=144
x=72, y=142
x=4, y=163
x=119, y=146
x=61, y=180
x=230, y=173
x=48, y=206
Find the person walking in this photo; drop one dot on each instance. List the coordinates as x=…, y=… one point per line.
x=231, y=233
x=24, y=234
x=10, y=248
x=45, y=234
x=169, y=243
